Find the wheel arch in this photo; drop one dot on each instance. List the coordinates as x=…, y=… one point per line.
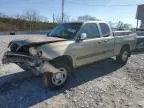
x=126, y=46
x=66, y=59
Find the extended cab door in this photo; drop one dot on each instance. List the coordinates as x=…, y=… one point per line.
x=92, y=49
x=107, y=40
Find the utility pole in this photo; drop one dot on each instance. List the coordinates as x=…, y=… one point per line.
x=62, y=11
x=53, y=18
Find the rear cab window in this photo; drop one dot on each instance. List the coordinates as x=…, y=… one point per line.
x=105, y=30
x=91, y=29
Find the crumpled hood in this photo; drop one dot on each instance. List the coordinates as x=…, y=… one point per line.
x=43, y=39
x=35, y=41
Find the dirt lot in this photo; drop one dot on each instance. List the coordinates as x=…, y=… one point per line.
x=104, y=84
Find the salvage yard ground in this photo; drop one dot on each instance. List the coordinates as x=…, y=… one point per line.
x=104, y=84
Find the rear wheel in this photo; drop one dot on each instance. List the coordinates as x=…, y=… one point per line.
x=54, y=81
x=122, y=58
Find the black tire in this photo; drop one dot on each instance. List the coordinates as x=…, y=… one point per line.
x=47, y=77
x=125, y=51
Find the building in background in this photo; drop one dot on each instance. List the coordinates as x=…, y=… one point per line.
x=140, y=15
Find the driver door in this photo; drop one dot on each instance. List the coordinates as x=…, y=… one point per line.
x=91, y=46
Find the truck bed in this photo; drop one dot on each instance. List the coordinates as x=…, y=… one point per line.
x=120, y=33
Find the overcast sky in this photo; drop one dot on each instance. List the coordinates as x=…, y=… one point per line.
x=109, y=10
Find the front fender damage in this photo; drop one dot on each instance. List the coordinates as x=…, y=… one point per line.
x=47, y=67
x=41, y=65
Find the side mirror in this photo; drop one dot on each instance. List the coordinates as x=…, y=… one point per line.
x=83, y=36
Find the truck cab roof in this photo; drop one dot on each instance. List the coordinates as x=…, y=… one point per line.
x=87, y=22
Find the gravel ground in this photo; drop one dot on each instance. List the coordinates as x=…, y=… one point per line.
x=103, y=84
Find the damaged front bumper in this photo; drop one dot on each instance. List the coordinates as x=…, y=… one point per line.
x=40, y=64
x=11, y=57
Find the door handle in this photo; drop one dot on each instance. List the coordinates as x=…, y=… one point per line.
x=99, y=42
x=105, y=40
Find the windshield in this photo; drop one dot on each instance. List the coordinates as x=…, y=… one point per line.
x=66, y=30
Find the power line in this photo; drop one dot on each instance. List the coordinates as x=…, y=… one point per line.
x=101, y=5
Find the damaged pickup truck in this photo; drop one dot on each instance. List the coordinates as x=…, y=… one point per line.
x=68, y=46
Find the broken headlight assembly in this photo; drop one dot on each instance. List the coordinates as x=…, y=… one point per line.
x=33, y=51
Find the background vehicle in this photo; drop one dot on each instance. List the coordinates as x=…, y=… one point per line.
x=140, y=40
x=68, y=46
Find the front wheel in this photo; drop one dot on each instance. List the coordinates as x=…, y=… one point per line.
x=122, y=58
x=54, y=81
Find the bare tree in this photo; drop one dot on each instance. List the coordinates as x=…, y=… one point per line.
x=58, y=18
x=111, y=23
x=29, y=19
x=19, y=17
x=127, y=26
x=122, y=26
x=31, y=16
x=87, y=18
x=44, y=19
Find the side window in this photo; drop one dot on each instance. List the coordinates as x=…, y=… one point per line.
x=105, y=29
x=91, y=30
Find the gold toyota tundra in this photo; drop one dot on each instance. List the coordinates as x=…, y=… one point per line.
x=68, y=46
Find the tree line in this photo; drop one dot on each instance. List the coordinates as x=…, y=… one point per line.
x=32, y=20
x=28, y=20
